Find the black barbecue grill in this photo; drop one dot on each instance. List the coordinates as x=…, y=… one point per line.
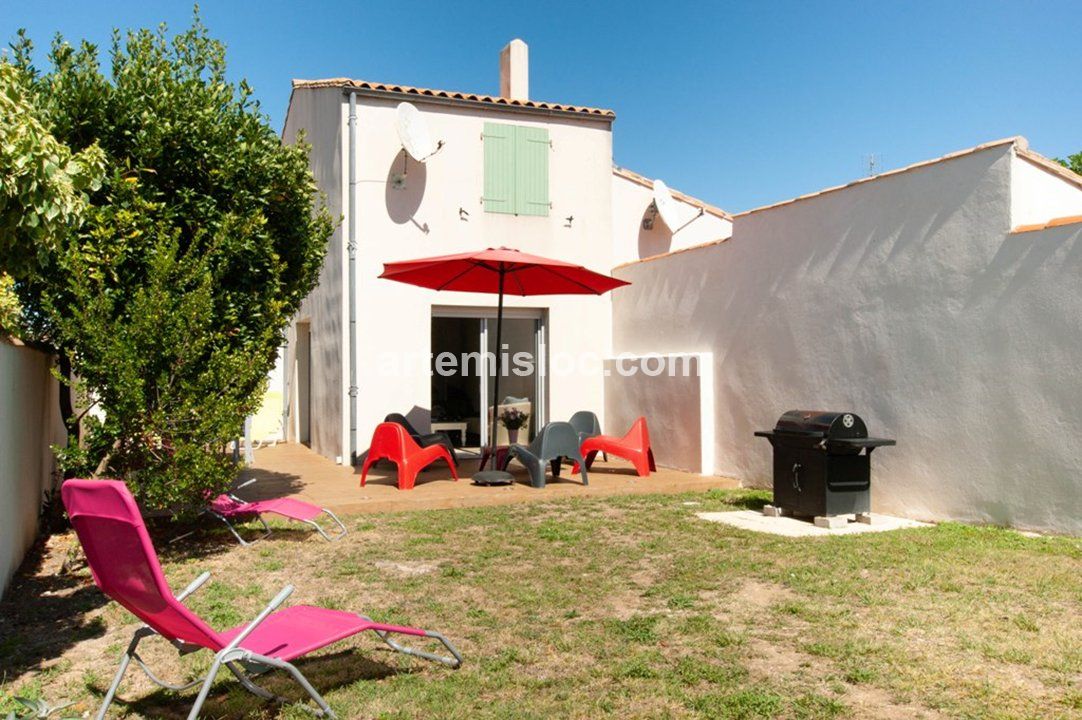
x=821, y=463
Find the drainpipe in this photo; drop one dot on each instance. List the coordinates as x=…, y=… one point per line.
x=351, y=246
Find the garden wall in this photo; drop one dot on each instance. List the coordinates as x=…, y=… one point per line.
x=29, y=423
x=908, y=300
x=675, y=394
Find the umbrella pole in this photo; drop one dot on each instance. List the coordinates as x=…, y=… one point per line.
x=499, y=369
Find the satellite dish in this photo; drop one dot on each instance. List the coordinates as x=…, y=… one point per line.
x=414, y=134
x=667, y=208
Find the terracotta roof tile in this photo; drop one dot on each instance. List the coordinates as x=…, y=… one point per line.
x=406, y=90
x=1018, y=141
x=1050, y=165
x=647, y=182
x=1021, y=146
x=700, y=246
x=1057, y=222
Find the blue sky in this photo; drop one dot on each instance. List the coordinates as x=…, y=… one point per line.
x=739, y=104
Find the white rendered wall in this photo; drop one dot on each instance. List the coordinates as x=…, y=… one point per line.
x=1038, y=195
x=267, y=423
x=676, y=396
x=906, y=300
x=423, y=218
x=29, y=424
x=321, y=114
x=630, y=202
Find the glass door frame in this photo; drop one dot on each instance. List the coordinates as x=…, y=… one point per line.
x=487, y=317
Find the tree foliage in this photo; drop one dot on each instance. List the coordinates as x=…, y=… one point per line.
x=1072, y=162
x=10, y=310
x=199, y=246
x=43, y=189
x=43, y=185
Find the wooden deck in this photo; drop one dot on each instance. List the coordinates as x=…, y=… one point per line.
x=292, y=469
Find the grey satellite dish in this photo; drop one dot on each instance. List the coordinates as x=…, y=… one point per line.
x=414, y=134
x=667, y=208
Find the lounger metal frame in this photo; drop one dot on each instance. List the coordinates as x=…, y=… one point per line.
x=342, y=532
x=244, y=663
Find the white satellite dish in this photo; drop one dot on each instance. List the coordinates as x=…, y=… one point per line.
x=414, y=134
x=667, y=208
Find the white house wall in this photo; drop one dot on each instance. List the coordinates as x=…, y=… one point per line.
x=29, y=424
x=423, y=218
x=631, y=241
x=320, y=113
x=906, y=300
x=1038, y=196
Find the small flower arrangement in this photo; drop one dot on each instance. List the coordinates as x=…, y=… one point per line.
x=513, y=418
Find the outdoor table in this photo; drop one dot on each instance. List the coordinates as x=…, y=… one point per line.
x=459, y=427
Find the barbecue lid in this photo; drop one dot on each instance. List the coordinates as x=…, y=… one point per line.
x=819, y=423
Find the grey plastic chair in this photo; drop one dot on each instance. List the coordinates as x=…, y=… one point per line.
x=587, y=425
x=555, y=441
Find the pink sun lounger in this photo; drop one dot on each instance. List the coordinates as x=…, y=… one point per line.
x=126, y=568
x=228, y=507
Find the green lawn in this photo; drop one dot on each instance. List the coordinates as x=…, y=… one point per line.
x=617, y=607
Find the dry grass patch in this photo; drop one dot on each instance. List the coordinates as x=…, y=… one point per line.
x=617, y=607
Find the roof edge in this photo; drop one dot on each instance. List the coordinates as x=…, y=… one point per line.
x=8, y=338
x=1053, y=223
x=474, y=99
x=683, y=197
x=1017, y=140
x=678, y=251
x=1050, y=165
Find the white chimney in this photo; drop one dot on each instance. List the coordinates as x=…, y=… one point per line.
x=515, y=71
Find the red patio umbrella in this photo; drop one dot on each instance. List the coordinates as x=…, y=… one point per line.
x=500, y=271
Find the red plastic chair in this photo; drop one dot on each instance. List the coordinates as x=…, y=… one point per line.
x=635, y=446
x=391, y=442
x=125, y=566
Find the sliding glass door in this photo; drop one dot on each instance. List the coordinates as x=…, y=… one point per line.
x=463, y=377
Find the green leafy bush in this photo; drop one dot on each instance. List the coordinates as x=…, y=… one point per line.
x=43, y=185
x=43, y=189
x=1072, y=162
x=10, y=310
x=203, y=239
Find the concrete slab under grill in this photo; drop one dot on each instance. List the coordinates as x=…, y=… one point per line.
x=793, y=527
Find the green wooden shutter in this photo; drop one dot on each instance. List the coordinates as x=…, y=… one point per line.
x=531, y=171
x=499, y=193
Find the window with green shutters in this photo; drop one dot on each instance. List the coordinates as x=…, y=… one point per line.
x=516, y=169
x=499, y=195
